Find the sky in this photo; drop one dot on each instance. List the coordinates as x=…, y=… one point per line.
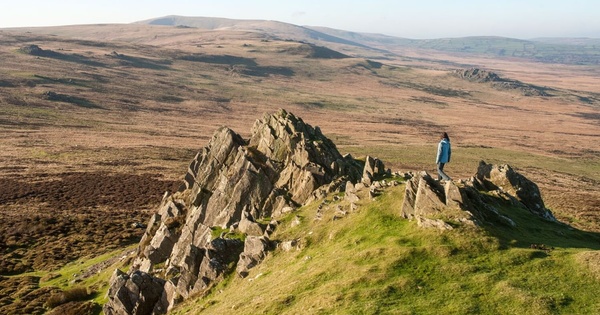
x=417, y=19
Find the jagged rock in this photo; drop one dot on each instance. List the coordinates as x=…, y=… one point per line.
x=454, y=198
x=350, y=193
x=426, y=196
x=165, y=303
x=160, y=235
x=301, y=154
x=161, y=245
x=323, y=191
x=271, y=227
x=505, y=179
x=137, y=293
x=249, y=227
x=189, y=269
x=359, y=186
x=233, y=184
x=339, y=212
x=373, y=169
x=219, y=254
x=350, y=188
x=477, y=75
x=485, y=76
x=255, y=250
x=373, y=192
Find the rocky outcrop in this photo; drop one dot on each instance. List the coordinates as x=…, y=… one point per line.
x=426, y=197
x=507, y=182
x=230, y=188
x=477, y=75
x=485, y=76
x=32, y=50
x=235, y=190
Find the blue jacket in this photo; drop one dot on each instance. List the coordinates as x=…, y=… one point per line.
x=444, y=151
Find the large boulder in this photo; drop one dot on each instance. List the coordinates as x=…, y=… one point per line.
x=424, y=196
x=232, y=185
x=374, y=169
x=255, y=251
x=135, y=293
x=504, y=179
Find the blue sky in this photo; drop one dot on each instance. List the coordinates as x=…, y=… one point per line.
x=412, y=19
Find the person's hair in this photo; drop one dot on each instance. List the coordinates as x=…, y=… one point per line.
x=445, y=136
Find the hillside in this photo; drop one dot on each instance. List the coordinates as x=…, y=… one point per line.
x=98, y=121
x=283, y=191
x=373, y=262
x=275, y=29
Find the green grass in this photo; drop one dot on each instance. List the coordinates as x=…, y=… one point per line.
x=374, y=262
x=96, y=285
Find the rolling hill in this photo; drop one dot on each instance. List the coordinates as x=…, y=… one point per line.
x=583, y=51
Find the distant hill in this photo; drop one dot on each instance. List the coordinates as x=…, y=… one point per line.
x=551, y=51
x=275, y=29
x=585, y=51
x=578, y=41
x=366, y=38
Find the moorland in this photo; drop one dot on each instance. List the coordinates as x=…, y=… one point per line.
x=98, y=121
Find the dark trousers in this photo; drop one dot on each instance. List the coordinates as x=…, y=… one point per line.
x=441, y=174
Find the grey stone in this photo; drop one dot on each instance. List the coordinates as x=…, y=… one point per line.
x=504, y=178
x=137, y=293
x=255, y=251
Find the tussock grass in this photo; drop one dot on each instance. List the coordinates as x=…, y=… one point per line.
x=70, y=295
x=96, y=284
x=374, y=262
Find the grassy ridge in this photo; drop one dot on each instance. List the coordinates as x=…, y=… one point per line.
x=374, y=262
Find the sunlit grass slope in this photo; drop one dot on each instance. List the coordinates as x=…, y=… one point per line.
x=374, y=262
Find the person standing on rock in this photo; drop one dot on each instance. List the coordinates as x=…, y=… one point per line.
x=443, y=156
